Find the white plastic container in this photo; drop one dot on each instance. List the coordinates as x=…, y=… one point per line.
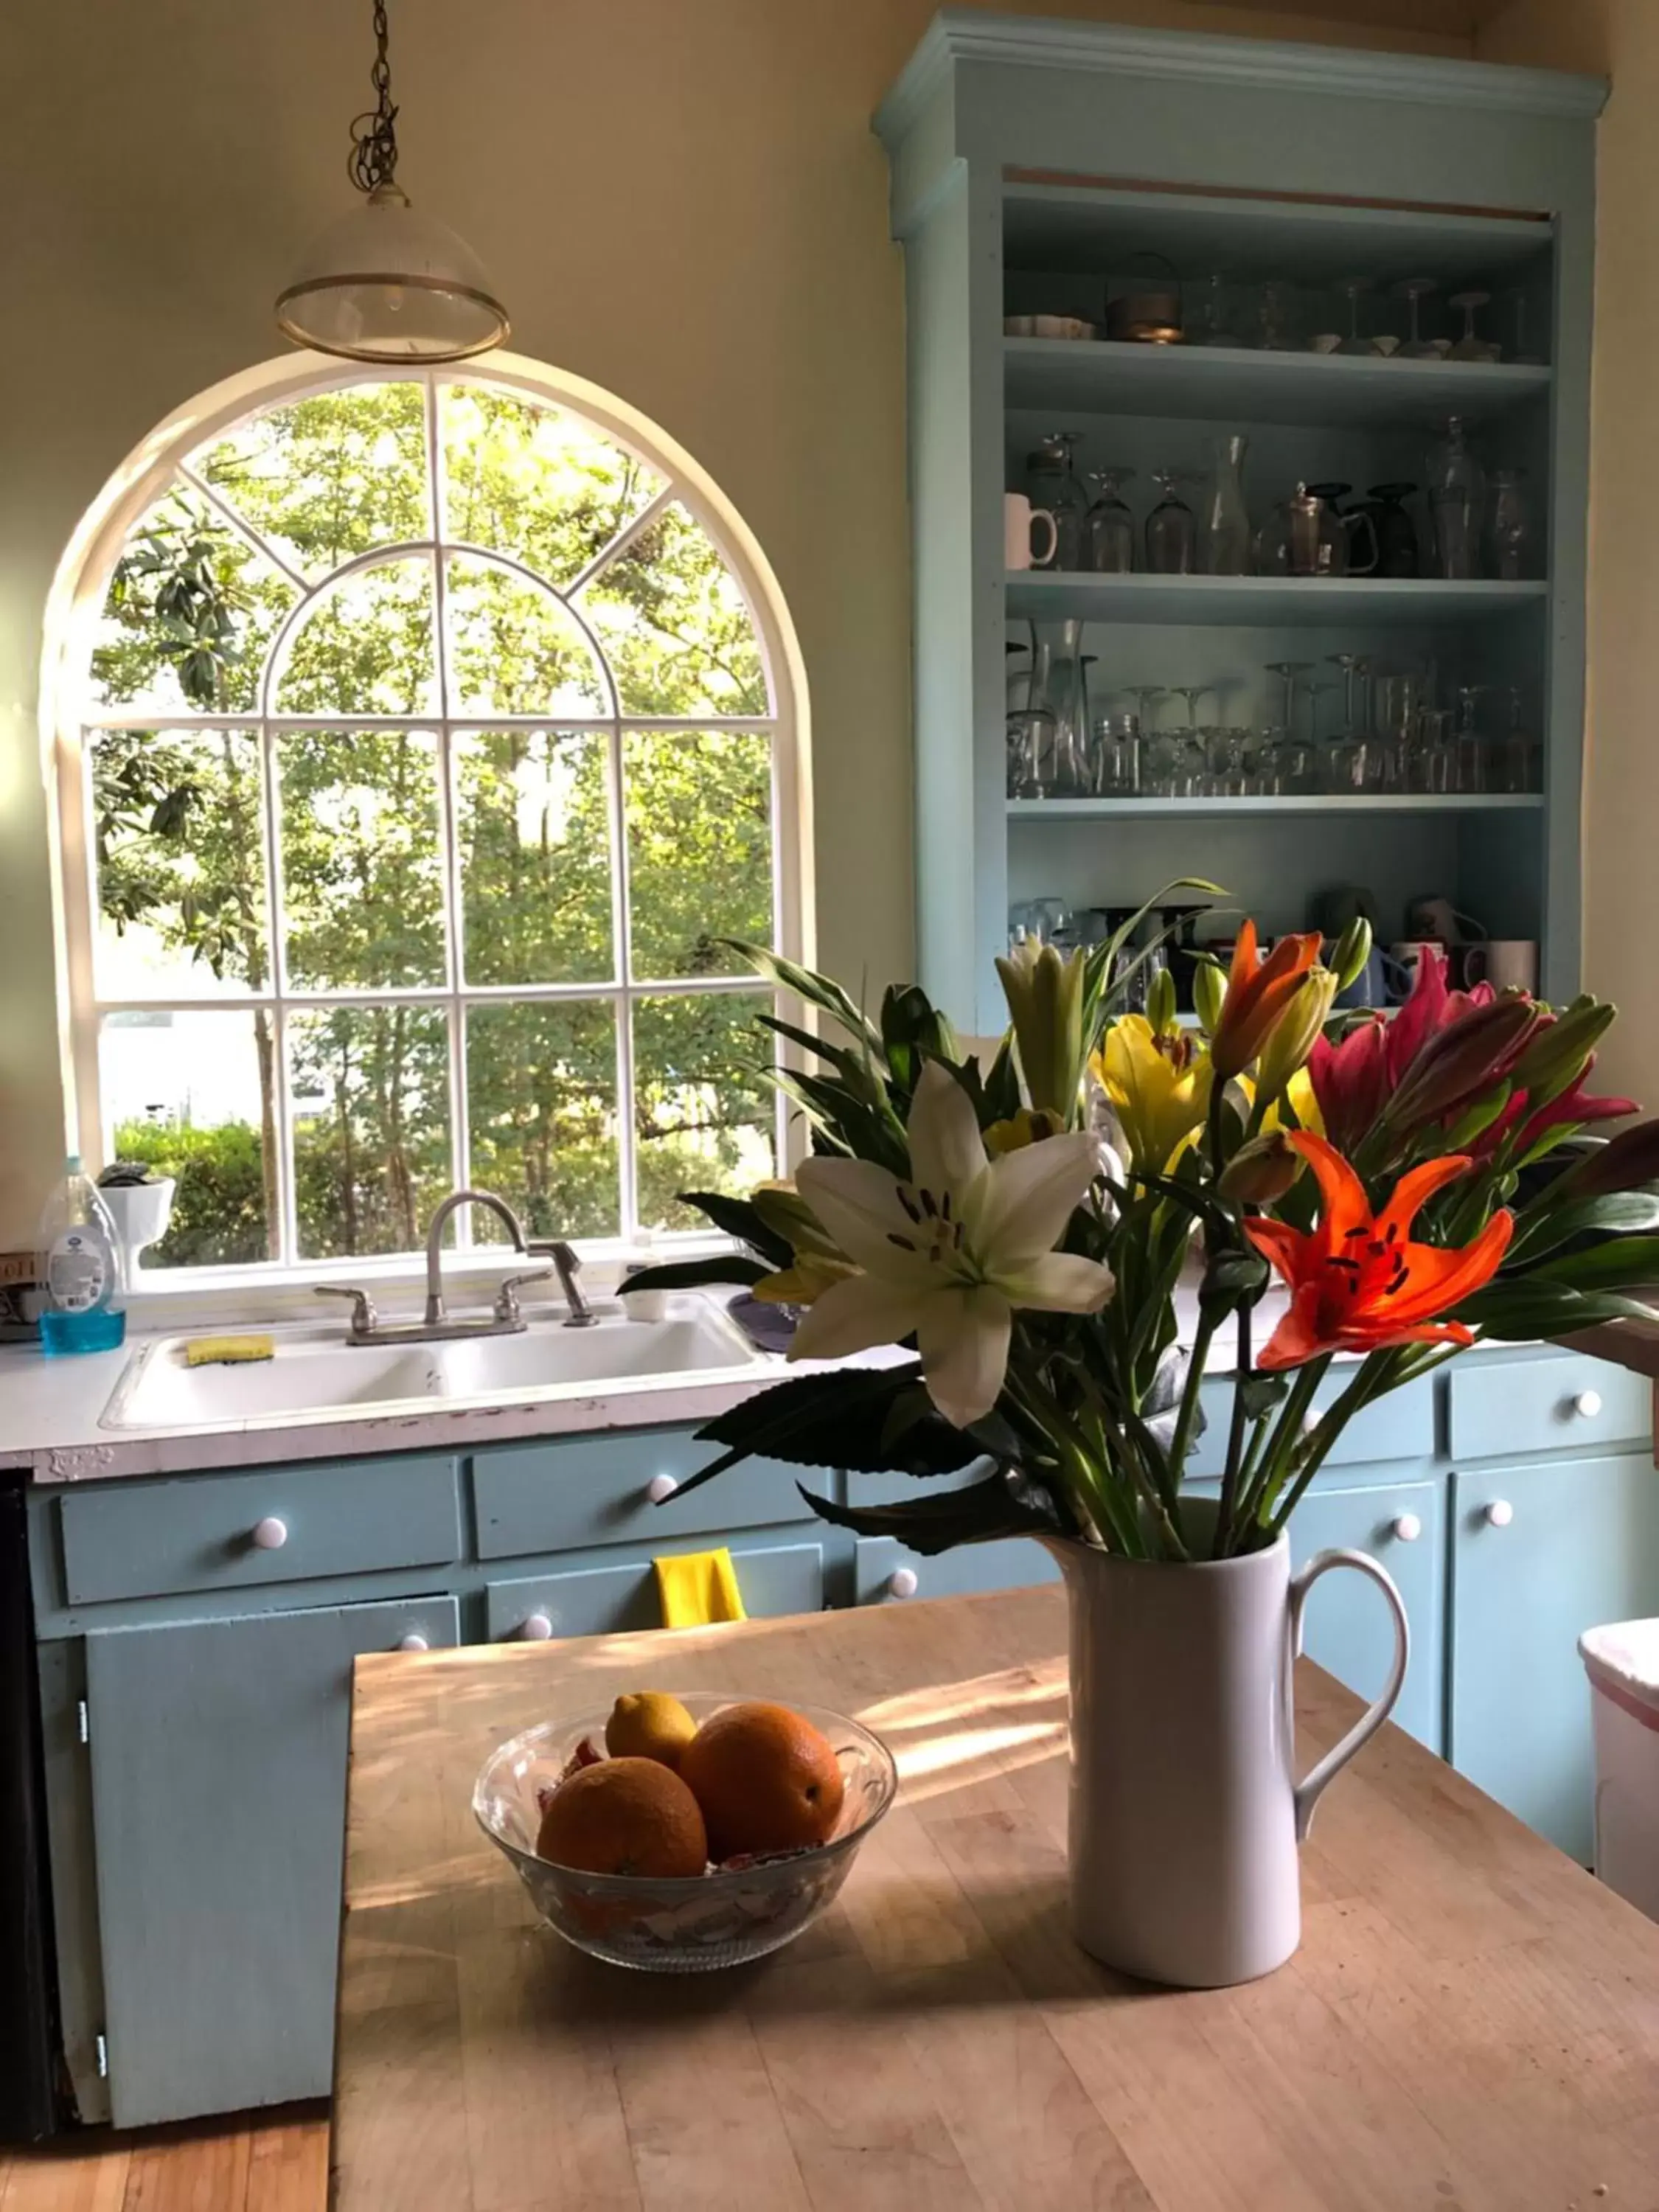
x=1622, y=1661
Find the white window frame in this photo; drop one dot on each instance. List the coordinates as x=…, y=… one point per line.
x=70, y=716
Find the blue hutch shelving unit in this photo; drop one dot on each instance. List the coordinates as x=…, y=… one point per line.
x=1032, y=161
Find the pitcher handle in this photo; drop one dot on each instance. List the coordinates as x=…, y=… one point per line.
x=1307, y=1792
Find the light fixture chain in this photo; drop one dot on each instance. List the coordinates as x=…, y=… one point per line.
x=373, y=158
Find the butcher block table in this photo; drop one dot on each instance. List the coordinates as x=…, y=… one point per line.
x=1472, y=2024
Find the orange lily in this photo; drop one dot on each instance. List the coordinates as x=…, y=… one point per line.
x=1257, y=995
x=1357, y=1282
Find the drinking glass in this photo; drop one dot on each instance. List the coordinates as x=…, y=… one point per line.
x=1048, y=919
x=1469, y=347
x=1509, y=535
x=1192, y=693
x=1355, y=694
x=1415, y=290
x=1287, y=671
x=1211, y=326
x=1354, y=764
x=1109, y=526
x=1273, y=315
x=1226, y=518
x=1457, y=487
x=1316, y=692
x=1516, y=757
x=1469, y=741
x=1437, y=751
x=1031, y=753
x=1118, y=754
x=1172, y=528
x=1051, y=482
x=1520, y=354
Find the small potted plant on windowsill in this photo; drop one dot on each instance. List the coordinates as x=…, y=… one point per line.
x=1416, y=1187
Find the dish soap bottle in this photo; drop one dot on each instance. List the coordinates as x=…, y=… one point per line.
x=82, y=1308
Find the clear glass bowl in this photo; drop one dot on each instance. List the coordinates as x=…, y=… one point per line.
x=692, y=1925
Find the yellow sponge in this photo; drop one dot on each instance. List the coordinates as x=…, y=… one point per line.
x=210, y=1351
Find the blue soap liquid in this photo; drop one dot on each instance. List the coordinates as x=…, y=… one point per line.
x=97, y=1331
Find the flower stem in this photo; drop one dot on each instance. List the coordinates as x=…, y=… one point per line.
x=1181, y=1443
x=1230, y=1479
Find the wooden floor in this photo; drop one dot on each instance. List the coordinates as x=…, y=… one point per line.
x=270, y=2161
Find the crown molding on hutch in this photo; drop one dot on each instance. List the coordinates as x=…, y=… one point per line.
x=957, y=34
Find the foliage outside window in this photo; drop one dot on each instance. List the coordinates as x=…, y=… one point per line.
x=429, y=759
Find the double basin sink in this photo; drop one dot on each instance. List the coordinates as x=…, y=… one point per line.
x=315, y=1371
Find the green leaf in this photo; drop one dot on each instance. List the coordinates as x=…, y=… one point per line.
x=820, y=991
x=695, y=1275
x=1003, y=1504
x=839, y=1419
x=1262, y=1393
x=1518, y=1312
x=1622, y=1263
x=737, y=1217
x=1543, y=1227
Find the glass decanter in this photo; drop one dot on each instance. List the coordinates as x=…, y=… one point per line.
x=1457, y=490
x=1226, y=518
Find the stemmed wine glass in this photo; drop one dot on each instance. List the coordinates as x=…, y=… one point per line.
x=1415, y=290
x=1468, y=347
x=1353, y=291
x=1108, y=527
x=1172, y=528
x=1354, y=760
x=1287, y=671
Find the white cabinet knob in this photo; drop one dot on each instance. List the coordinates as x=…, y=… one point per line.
x=1407, y=1529
x=536, y=1629
x=413, y=1642
x=660, y=1487
x=1499, y=1513
x=270, y=1534
x=1588, y=1404
x=904, y=1582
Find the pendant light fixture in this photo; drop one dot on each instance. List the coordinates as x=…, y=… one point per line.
x=384, y=283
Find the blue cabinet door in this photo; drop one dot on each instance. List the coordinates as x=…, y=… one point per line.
x=1346, y=1626
x=1577, y=1546
x=1010, y=1563
x=218, y=1754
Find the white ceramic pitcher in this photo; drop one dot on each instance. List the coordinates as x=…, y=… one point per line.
x=1185, y=1809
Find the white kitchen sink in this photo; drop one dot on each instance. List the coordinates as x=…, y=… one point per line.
x=315, y=1371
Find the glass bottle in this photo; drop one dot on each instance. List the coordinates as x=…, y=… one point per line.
x=1051, y=482
x=1510, y=540
x=1457, y=488
x=1226, y=518
x=1171, y=529
x=1060, y=694
x=1108, y=527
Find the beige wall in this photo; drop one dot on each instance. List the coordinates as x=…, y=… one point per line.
x=1620, y=39
x=681, y=200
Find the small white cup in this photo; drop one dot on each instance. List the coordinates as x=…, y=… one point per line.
x=1508, y=964
x=1019, y=519
x=1325, y=342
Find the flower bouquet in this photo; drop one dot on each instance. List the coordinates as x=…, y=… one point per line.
x=1069, y=1232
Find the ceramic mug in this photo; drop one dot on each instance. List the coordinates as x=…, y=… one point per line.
x=1408, y=956
x=1508, y=964
x=1382, y=981
x=1019, y=519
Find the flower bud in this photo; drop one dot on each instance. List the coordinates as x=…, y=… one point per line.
x=1623, y=1162
x=1293, y=1034
x=1161, y=1003
x=1560, y=1051
x=1209, y=993
x=1351, y=952
x=1260, y=1171
x=1044, y=994
x=1468, y=1056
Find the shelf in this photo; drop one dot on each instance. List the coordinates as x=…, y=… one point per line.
x=1236, y=602
x=1231, y=385
x=1346, y=802
x=1247, y=237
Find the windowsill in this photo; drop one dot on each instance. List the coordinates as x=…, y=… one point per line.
x=187, y=1298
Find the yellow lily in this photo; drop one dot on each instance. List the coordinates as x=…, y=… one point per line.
x=1159, y=1086
x=1029, y=1126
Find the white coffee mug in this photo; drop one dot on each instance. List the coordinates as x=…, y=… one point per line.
x=1508, y=964
x=1408, y=956
x=1019, y=519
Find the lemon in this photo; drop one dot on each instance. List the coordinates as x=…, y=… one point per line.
x=648, y=1724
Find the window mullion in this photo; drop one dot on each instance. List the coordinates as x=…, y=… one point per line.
x=460, y=1135
x=623, y=539
x=626, y=1163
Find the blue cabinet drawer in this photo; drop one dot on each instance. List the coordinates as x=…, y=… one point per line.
x=1346, y=1626
x=596, y=1490
x=1010, y=1563
x=129, y=1540
x=597, y=1600
x=1572, y=1403
x=1399, y=1427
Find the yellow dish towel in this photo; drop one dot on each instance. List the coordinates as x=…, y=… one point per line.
x=698, y=1587
x=208, y=1351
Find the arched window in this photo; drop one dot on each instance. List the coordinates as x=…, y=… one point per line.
x=421, y=739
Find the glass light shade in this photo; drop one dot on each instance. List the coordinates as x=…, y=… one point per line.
x=384, y=283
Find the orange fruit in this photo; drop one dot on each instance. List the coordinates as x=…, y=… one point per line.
x=767, y=1780
x=648, y=1724
x=625, y=1816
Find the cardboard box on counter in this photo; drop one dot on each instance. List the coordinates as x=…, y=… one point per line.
x=20, y=1297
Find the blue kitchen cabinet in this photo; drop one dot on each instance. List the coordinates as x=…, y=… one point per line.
x=218, y=1761
x=612, y=1601
x=887, y=1573
x=1540, y=1553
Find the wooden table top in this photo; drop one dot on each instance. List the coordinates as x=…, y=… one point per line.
x=1472, y=2024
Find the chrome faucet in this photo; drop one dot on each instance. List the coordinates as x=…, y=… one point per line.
x=507, y=1320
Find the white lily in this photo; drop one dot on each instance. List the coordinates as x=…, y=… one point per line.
x=947, y=1256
